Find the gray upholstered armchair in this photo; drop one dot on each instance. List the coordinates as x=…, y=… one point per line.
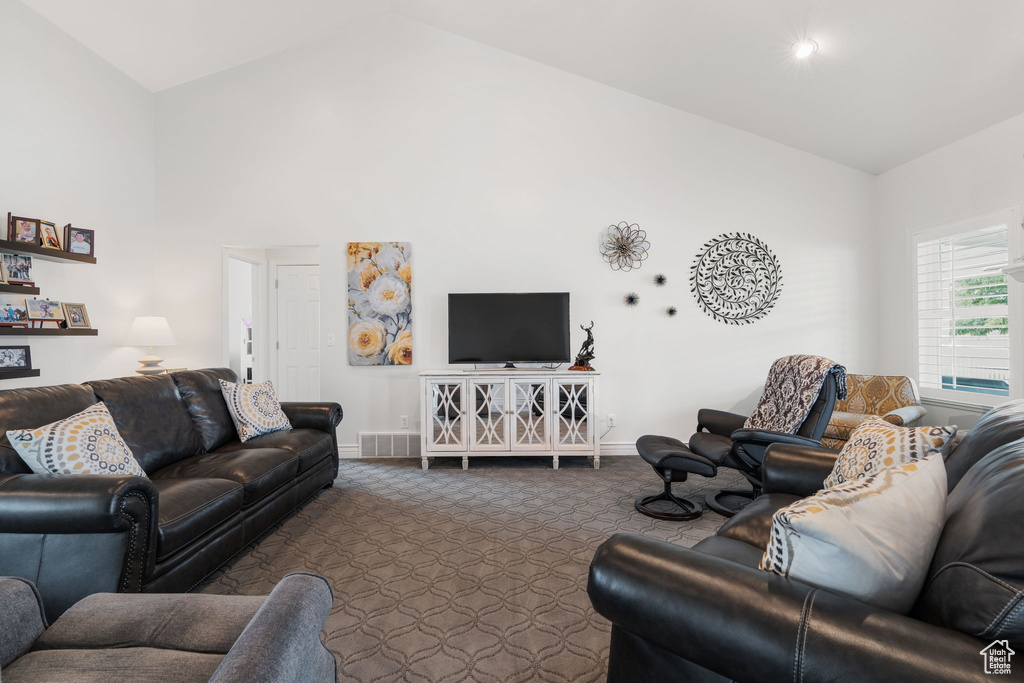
x=160, y=637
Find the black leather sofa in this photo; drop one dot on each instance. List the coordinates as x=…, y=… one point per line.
x=207, y=496
x=709, y=614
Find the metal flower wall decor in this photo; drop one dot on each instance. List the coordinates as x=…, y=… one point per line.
x=624, y=246
x=736, y=278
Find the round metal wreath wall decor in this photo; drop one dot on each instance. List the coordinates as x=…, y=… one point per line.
x=624, y=246
x=736, y=278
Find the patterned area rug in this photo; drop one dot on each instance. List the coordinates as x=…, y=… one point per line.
x=450, y=575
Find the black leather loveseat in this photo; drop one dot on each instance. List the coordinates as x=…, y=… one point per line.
x=207, y=495
x=709, y=614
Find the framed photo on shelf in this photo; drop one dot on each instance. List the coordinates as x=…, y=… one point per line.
x=44, y=309
x=18, y=268
x=76, y=316
x=22, y=229
x=13, y=311
x=14, y=358
x=79, y=241
x=48, y=237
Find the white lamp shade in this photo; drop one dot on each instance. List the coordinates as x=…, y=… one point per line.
x=149, y=331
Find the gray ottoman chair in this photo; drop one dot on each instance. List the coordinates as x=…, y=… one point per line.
x=143, y=637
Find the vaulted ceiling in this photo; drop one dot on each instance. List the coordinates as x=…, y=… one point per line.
x=891, y=80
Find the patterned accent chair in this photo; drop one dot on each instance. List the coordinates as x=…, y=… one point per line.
x=892, y=398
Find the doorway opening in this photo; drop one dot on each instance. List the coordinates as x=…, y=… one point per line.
x=271, y=326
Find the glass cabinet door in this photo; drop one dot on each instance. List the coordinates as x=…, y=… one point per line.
x=447, y=428
x=574, y=423
x=530, y=415
x=488, y=415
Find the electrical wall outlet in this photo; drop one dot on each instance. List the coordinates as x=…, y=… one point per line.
x=405, y=422
x=611, y=420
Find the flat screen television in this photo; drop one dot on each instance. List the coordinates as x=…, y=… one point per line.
x=508, y=328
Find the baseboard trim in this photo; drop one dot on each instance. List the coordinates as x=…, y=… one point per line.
x=350, y=451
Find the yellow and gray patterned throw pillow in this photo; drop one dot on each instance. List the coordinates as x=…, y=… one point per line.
x=871, y=539
x=254, y=409
x=85, y=443
x=876, y=444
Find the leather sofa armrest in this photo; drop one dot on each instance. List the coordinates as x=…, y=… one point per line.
x=282, y=642
x=795, y=469
x=323, y=416
x=907, y=415
x=719, y=422
x=60, y=507
x=76, y=504
x=748, y=624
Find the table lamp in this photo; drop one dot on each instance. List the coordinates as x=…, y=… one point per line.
x=149, y=331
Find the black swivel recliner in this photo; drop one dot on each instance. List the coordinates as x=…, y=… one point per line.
x=722, y=441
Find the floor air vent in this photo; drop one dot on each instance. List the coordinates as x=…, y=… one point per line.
x=392, y=444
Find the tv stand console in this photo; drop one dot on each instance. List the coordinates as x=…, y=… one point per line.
x=509, y=413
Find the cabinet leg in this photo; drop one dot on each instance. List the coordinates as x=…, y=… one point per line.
x=554, y=462
x=465, y=462
x=424, y=464
x=597, y=462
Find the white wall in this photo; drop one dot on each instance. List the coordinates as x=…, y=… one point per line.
x=503, y=173
x=76, y=146
x=971, y=177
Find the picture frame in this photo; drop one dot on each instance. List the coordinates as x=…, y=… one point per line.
x=48, y=237
x=13, y=311
x=75, y=316
x=44, y=310
x=24, y=230
x=14, y=358
x=75, y=238
x=18, y=268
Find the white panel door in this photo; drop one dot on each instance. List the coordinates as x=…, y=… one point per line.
x=298, y=333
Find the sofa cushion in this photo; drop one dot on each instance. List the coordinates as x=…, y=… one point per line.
x=200, y=623
x=85, y=443
x=34, y=407
x=877, y=444
x=258, y=470
x=753, y=524
x=1001, y=425
x=254, y=408
x=200, y=390
x=138, y=664
x=976, y=580
x=310, y=445
x=870, y=539
x=841, y=425
x=189, y=508
x=151, y=417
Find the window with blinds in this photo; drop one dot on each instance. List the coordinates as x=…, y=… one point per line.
x=963, y=312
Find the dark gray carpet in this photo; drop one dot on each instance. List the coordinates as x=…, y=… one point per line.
x=451, y=575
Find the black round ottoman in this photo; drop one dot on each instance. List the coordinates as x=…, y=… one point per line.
x=673, y=461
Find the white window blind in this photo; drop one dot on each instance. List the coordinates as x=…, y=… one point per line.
x=963, y=312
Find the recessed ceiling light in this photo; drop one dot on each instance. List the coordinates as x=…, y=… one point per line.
x=804, y=48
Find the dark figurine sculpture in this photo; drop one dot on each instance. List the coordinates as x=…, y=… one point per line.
x=586, y=353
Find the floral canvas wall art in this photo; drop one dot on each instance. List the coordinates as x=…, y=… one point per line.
x=379, y=303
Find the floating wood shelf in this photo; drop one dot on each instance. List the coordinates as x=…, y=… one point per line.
x=46, y=332
x=15, y=374
x=18, y=289
x=9, y=247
